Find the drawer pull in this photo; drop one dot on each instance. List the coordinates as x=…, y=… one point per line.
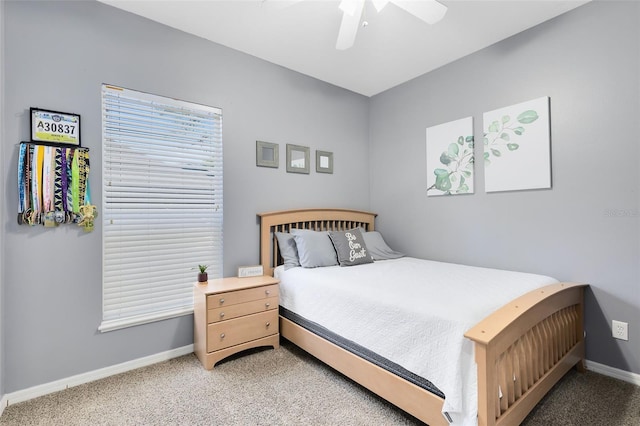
x=222, y=335
x=221, y=314
x=266, y=305
x=268, y=324
x=221, y=301
x=267, y=292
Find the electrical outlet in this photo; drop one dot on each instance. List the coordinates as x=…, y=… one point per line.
x=620, y=330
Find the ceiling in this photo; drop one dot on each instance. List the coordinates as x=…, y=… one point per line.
x=395, y=47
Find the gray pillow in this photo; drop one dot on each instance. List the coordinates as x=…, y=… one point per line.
x=288, y=250
x=314, y=248
x=350, y=247
x=378, y=248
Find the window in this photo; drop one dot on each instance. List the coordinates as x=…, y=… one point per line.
x=161, y=204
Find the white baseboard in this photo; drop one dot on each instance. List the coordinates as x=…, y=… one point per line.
x=58, y=385
x=616, y=373
x=3, y=403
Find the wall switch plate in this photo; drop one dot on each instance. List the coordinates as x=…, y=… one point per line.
x=250, y=271
x=620, y=330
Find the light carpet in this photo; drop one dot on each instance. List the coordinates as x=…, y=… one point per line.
x=284, y=387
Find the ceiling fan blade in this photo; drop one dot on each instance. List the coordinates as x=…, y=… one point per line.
x=350, y=23
x=430, y=11
x=379, y=4
x=280, y=4
x=349, y=6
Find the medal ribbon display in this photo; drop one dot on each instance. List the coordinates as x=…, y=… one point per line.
x=53, y=186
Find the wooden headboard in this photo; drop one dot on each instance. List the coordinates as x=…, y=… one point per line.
x=314, y=219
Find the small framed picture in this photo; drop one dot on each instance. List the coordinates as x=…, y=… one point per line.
x=267, y=154
x=297, y=159
x=324, y=162
x=55, y=127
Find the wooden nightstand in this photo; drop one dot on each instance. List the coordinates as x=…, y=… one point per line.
x=234, y=314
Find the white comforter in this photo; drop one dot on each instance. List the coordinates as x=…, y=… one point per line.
x=411, y=311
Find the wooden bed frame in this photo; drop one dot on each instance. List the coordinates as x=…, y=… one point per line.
x=521, y=350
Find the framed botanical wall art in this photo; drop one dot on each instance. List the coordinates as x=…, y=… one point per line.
x=517, y=147
x=450, y=158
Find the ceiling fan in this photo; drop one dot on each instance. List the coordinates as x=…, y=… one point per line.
x=430, y=11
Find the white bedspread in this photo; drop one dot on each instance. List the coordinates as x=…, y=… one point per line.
x=411, y=311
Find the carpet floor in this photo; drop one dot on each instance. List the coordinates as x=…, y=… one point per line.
x=285, y=387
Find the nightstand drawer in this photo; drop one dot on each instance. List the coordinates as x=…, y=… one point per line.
x=241, y=296
x=234, y=311
x=224, y=334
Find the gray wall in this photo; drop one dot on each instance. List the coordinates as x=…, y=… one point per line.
x=586, y=61
x=587, y=227
x=52, y=286
x=2, y=143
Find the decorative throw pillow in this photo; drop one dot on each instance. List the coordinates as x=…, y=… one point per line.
x=378, y=248
x=288, y=250
x=314, y=248
x=350, y=247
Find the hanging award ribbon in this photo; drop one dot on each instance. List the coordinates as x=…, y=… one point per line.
x=53, y=186
x=36, y=185
x=58, y=194
x=28, y=177
x=21, y=204
x=83, y=167
x=88, y=212
x=69, y=191
x=48, y=178
x=75, y=184
x=64, y=181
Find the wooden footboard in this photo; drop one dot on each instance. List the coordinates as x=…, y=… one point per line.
x=413, y=399
x=524, y=348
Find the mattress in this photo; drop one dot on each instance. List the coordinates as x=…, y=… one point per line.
x=411, y=312
x=360, y=351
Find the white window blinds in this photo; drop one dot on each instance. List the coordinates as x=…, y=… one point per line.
x=161, y=204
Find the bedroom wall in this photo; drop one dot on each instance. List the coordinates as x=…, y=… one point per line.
x=52, y=287
x=2, y=143
x=587, y=227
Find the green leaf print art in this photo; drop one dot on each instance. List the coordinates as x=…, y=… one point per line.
x=517, y=147
x=498, y=137
x=450, y=158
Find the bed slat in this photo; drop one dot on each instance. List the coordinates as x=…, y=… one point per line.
x=527, y=363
